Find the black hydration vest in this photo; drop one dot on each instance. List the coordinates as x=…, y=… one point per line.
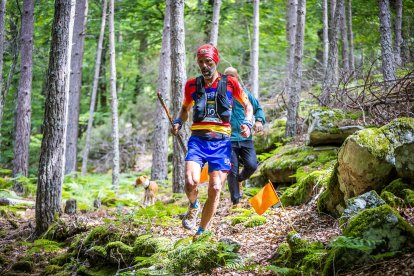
x=222, y=105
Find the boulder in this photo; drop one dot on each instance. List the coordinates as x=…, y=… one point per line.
x=271, y=137
x=367, y=159
x=330, y=126
x=282, y=166
x=404, y=161
x=355, y=205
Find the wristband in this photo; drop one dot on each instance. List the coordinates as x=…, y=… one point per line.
x=248, y=123
x=178, y=121
x=259, y=120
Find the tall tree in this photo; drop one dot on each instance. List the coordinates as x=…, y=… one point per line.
x=2, y=29
x=330, y=79
x=79, y=31
x=294, y=95
x=215, y=22
x=114, y=99
x=52, y=152
x=398, y=32
x=254, y=76
x=98, y=60
x=351, y=38
x=24, y=111
x=325, y=34
x=291, y=35
x=178, y=78
x=387, y=55
x=159, y=169
x=344, y=36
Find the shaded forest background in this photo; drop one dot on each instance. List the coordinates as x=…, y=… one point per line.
x=138, y=32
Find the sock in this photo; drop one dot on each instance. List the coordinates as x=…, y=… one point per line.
x=200, y=230
x=195, y=204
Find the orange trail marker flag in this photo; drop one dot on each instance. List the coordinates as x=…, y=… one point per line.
x=204, y=174
x=264, y=199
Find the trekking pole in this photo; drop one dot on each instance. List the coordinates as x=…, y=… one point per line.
x=180, y=139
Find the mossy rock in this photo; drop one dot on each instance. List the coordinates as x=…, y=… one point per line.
x=120, y=253
x=302, y=191
x=255, y=221
x=52, y=270
x=23, y=266
x=382, y=223
x=281, y=168
x=330, y=126
x=367, y=159
x=271, y=137
x=301, y=254
x=97, y=255
x=404, y=161
x=398, y=193
x=392, y=200
x=331, y=201
x=147, y=245
x=357, y=204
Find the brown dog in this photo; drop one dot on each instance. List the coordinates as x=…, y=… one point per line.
x=150, y=187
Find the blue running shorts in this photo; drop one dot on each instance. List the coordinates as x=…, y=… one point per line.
x=216, y=153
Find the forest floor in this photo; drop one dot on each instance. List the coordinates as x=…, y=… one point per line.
x=258, y=244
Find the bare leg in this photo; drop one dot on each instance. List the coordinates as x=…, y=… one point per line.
x=192, y=178
x=216, y=181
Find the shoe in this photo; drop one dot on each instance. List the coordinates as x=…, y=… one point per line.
x=190, y=218
x=236, y=206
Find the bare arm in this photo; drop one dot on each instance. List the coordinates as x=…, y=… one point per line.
x=247, y=123
x=183, y=115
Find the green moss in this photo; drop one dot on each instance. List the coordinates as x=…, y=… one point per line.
x=331, y=200
x=98, y=251
x=255, y=221
x=60, y=260
x=147, y=245
x=271, y=139
x=382, y=223
x=52, y=270
x=43, y=245
x=374, y=140
x=397, y=186
x=238, y=219
x=409, y=197
x=5, y=184
x=101, y=235
x=392, y=199
x=23, y=266
x=283, y=254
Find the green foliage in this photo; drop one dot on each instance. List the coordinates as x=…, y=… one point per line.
x=43, y=245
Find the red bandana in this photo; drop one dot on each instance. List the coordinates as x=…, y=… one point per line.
x=208, y=50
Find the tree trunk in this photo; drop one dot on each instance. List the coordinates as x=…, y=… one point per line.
x=387, y=55
x=215, y=23
x=94, y=89
x=351, y=38
x=2, y=29
x=332, y=22
x=291, y=35
x=159, y=169
x=114, y=99
x=52, y=152
x=254, y=77
x=178, y=78
x=398, y=32
x=325, y=35
x=344, y=35
x=79, y=31
x=14, y=52
x=331, y=73
x=24, y=111
x=102, y=83
x=294, y=95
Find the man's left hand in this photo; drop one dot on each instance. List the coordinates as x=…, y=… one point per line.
x=258, y=126
x=245, y=131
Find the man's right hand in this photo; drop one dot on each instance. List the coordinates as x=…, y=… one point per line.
x=175, y=129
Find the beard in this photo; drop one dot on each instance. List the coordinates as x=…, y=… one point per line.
x=208, y=73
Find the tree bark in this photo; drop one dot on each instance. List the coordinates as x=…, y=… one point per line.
x=294, y=95
x=178, y=78
x=114, y=99
x=325, y=34
x=254, y=77
x=159, y=169
x=52, y=152
x=387, y=55
x=344, y=35
x=98, y=60
x=79, y=31
x=291, y=35
x=215, y=23
x=24, y=110
x=398, y=32
x=331, y=73
x=2, y=29
x=351, y=38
